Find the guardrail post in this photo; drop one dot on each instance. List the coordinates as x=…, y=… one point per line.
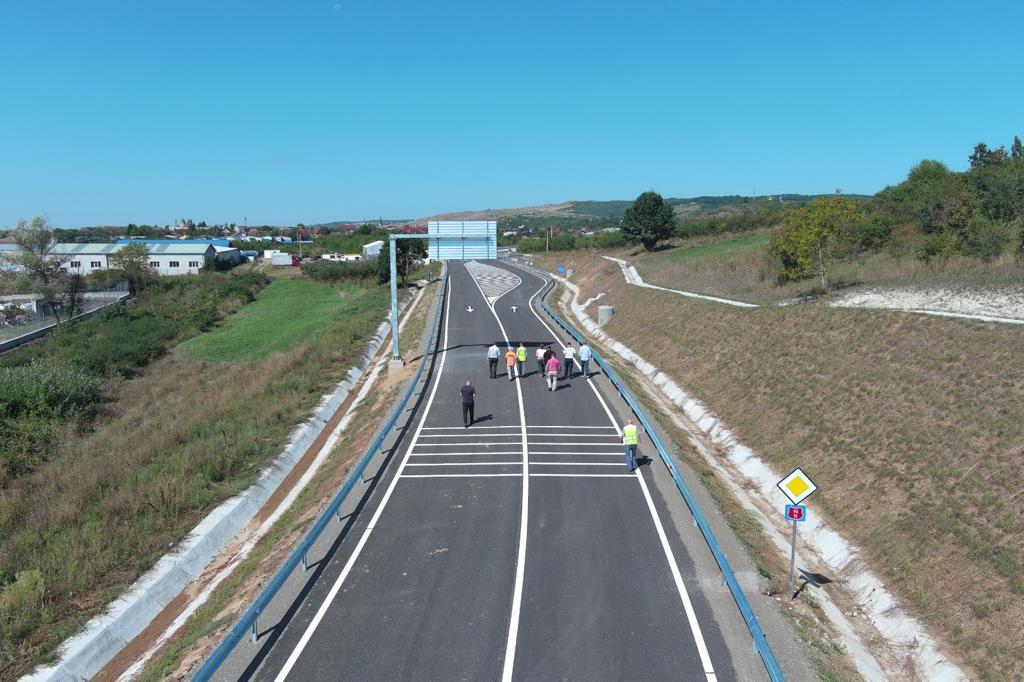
x=255, y=628
x=305, y=561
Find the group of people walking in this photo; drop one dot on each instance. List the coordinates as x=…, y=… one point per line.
x=549, y=365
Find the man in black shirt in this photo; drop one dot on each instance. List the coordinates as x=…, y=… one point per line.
x=468, y=394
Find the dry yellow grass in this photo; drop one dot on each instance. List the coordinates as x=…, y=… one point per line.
x=911, y=425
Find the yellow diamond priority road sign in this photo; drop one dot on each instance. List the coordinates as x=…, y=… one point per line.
x=798, y=486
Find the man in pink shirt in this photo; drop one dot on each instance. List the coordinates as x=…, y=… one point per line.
x=552, y=367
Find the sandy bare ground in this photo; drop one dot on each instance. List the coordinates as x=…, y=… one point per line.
x=1005, y=303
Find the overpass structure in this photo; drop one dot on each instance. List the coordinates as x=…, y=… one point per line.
x=519, y=548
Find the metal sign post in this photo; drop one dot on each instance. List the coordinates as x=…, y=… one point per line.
x=798, y=486
x=796, y=514
x=473, y=239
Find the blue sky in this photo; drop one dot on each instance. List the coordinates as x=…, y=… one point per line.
x=305, y=111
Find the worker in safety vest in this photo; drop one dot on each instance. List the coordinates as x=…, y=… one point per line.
x=510, y=363
x=521, y=358
x=630, y=439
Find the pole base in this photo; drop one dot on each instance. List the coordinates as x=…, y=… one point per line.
x=395, y=364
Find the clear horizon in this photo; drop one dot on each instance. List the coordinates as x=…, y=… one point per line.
x=312, y=112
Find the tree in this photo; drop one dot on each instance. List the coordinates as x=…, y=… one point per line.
x=983, y=156
x=814, y=237
x=1017, y=148
x=648, y=221
x=133, y=261
x=40, y=268
x=74, y=295
x=407, y=252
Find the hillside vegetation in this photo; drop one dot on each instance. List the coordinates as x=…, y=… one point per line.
x=910, y=424
x=116, y=442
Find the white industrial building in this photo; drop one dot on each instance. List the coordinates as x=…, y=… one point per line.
x=171, y=258
x=372, y=250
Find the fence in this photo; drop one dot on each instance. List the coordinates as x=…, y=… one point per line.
x=760, y=642
x=248, y=621
x=18, y=328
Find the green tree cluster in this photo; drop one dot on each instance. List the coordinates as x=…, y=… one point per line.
x=935, y=214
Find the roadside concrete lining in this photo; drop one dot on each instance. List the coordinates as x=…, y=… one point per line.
x=85, y=654
x=904, y=634
x=633, y=277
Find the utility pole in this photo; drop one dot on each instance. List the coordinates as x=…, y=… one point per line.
x=547, y=241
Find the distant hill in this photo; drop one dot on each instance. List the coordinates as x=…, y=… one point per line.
x=600, y=213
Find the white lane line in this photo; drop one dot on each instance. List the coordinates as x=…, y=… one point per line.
x=585, y=475
x=463, y=464
x=464, y=445
x=459, y=475
x=572, y=426
x=513, y=452
x=691, y=616
x=322, y=611
x=517, y=589
x=556, y=442
x=463, y=428
x=577, y=464
x=617, y=453
x=507, y=435
x=465, y=435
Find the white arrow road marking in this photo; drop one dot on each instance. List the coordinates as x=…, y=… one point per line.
x=515, y=308
x=469, y=308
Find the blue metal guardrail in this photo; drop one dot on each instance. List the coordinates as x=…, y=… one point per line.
x=760, y=641
x=298, y=556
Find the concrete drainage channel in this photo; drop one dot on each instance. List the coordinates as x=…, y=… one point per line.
x=104, y=637
x=904, y=635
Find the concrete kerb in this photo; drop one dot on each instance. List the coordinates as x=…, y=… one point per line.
x=85, y=654
x=902, y=632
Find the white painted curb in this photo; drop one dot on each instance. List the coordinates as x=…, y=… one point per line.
x=85, y=654
x=902, y=631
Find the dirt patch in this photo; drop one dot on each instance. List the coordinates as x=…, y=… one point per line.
x=1008, y=303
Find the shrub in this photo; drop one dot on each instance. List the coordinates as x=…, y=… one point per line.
x=23, y=605
x=46, y=389
x=983, y=238
x=334, y=271
x=937, y=247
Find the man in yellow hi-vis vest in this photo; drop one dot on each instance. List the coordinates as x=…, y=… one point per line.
x=631, y=439
x=521, y=358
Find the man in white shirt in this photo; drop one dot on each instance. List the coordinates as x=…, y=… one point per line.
x=493, y=353
x=585, y=354
x=568, y=353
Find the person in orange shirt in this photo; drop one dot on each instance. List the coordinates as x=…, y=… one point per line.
x=510, y=364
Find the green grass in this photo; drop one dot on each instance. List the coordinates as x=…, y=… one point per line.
x=284, y=314
x=718, y=247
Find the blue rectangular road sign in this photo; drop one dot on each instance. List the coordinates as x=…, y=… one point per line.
x=796, y=512
x=462, y=239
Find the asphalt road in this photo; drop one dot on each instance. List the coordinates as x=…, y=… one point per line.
x=517, y=548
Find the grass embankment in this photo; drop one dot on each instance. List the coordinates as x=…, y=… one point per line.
x=910, y=425
x=738, y=266
x=117, y=491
